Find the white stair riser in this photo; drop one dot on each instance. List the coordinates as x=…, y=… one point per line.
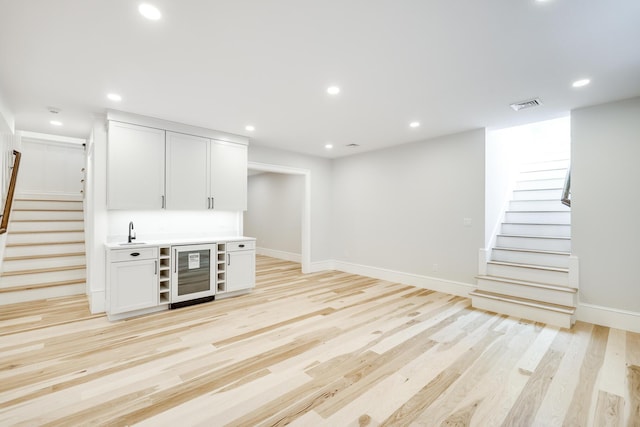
x=529, y=274
x=550, y=164
x=522, y=311
x=551, y=194
x=35, y=278
x=46, y=215
x=557, y=230
x=535, y=243
x=30, y=264
x=537, y=205
x=45, y=237
x=538, y=217
x=46, y=226
x=543, y=174
x=530, y=258
x=40, y=294
x=540, y=184
x=13, y=251
x=529, y=292
x=46, y=204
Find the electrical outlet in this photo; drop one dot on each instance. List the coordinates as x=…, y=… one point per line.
x=466, y=222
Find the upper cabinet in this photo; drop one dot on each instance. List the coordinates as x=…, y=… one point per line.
x=135, y=167
x=155, y=164
x=187, y=172
x=228, y=176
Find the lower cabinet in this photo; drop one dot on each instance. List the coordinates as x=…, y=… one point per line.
x=241, y=266
x=133, y=280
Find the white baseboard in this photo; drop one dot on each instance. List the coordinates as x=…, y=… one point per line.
x=318, y=266
x=274, y=253
x=611, y=317
x=425, y=282
x=97, y=302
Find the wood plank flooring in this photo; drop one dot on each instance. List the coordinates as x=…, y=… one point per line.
x=324, y=349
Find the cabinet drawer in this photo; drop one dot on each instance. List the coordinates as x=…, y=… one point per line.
x=132, y=254
x=241, y=246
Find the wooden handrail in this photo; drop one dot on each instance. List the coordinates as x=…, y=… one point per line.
x=566, y=190
x=12, y=188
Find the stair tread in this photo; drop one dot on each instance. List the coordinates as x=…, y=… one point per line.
x=529, y=283
x=533, y=266
x=42, y=270
x=539, y=189
x=46, y=220
x=42, y=285
x=71, y=242
x=46, y=200
x=529, y=211
x=44, y=210
x=538, y=179
x=45, y=231
x=534, y=236
x=525, y=301
x=535, y=251
x=44, y=256
x=545, y=170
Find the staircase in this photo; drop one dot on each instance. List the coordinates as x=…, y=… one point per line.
x=528, y=272
x=45, y=254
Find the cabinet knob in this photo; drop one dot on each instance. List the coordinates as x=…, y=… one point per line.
x=242, y=246
x=135, y=254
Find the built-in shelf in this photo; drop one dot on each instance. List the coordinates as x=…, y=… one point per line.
x=164, y=276
x=220, y=274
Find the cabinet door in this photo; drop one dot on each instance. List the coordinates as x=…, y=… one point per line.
x=135, y=167
x=241, y=270
x=187, y=186
x=133, y=285
x=228, y=176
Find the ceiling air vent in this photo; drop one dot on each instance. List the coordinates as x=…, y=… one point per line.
x=526, y=104
x=353, y=145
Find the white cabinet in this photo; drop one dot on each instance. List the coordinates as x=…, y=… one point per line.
x=228, y=176
x=135, y=167
x=187, y=172
x=133, y=279
x=241, y=266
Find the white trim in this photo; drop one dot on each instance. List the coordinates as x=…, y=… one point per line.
x=484, y=256
x=306, y=208
x=274, y=253
x=574, y=272
x=319, y=266
x=45, y=138
x=611, y=317
x=425, y=282
x=97, y=302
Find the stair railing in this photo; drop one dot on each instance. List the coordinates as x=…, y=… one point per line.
x=10, y=192
x=566, y=191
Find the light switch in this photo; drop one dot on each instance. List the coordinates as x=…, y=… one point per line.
x=466, y=222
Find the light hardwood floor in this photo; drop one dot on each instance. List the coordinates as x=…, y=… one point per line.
x=330, y=349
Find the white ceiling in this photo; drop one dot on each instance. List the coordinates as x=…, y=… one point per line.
x=452, y=65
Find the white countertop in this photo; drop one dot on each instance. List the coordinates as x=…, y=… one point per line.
x=177, y=241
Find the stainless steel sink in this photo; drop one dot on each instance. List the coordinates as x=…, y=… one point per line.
x=132, y=243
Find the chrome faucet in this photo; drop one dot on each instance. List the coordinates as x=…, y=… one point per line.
x=132, y=234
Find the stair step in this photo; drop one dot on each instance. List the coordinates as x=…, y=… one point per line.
x=540, y=243
x=562, y=295
x=51, y=237
x=42, y=291
x=35, y=276
x=23, y=263
x=527, y=272
x=531, y=257
x=558, y=173
x=540, y=184
x=29, y=214
x=538, y=194
x=41, y=225
x=55, y=205
x=538, y=217
x=552, y=314
x=536, y=230
x=545, y=165
x=43, y=249
x=538, y=205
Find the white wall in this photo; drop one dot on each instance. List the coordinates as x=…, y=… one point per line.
x=320, y=193
x=7, y=120
x=403, y=208
x=274, y=211
x=605, y=203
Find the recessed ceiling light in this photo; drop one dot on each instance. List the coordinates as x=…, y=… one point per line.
x=250, y=128
x=581, y=83
x=114, y=97
x=414, y=124
x=333, y=90
x=149, y=11
x=56, y=122
x=328, y=146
